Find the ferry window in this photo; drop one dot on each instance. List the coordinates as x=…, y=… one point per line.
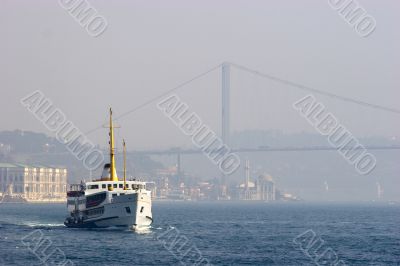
x=103, y=186
x=115, y=185
x=122, y=194
x=121, y=186
x=133, y=186
x=128, y=210
x=114, y=195
x=93, y=187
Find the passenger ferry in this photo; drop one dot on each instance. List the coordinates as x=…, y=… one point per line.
x=109, y=201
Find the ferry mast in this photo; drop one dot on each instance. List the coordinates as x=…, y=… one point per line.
x=113, y=171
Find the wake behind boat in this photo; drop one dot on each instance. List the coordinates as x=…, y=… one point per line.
x=108, y=201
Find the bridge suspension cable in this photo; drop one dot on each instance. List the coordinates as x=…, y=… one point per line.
x=140, y=106
x=257, y=73
x=309, y=89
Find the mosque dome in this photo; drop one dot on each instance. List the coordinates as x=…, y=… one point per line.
x=266, y=177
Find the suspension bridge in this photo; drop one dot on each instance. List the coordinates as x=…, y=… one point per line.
x=225, y=114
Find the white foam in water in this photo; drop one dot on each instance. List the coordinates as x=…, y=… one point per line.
x=143, y=231
x=39, y=224
x=48, y=225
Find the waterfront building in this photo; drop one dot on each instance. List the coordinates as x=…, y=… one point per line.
x=32, y=183
x=263, y=188
x=266, y=188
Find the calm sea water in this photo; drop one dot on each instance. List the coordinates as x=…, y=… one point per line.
x=223, y=233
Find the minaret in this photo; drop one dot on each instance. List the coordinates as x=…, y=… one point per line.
x=124, y=164
x=113, y=171
x=246, y=182
x=247, y=170
x=379, y=190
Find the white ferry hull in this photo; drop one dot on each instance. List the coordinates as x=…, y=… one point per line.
x=116, y=214
x=130, y=210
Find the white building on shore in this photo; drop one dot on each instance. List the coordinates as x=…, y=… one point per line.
x=262, y=189
x=20, y=182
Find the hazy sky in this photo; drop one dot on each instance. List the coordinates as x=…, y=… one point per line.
x=151, y=46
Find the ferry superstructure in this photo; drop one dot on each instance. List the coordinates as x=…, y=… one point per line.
x=109, y=201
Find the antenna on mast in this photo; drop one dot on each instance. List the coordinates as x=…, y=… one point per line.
x=124, y=146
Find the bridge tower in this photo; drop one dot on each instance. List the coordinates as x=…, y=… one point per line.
x=225, y=103
x=225, y=100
